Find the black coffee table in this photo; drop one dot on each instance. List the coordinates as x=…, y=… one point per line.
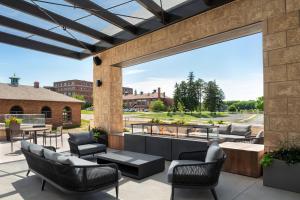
x=132, y=164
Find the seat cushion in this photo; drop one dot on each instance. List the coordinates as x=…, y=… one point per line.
x=224, y=129
x=79, y=161
x=56, y=157
x=36, y=149
x=242, y=130
x=25, y=145
x=214, y=152
x=81, y=138
x=179, y=162
x=91, y=148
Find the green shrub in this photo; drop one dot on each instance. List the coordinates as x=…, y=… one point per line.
x=232, y=108
x=155, y=121
x=157, y=106
x=220, y=122
x=289, y=154
x=210, y=121
x=97, y=132
x=179, y=122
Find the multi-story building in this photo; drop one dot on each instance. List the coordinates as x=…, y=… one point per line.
x=79, y=87
x=127, y=90
x=142, y=100
x=74, y=87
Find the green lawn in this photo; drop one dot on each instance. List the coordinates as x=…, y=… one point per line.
x=174, y=117
x=87, y=111
x=169, y=116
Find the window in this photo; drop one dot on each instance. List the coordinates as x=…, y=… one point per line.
x=47, y=112
x=67, y=115
x=16, y=110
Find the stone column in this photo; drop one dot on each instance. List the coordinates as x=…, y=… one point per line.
x=281, y=72
x=108, y=100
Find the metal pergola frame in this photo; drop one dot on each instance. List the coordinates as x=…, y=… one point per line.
x=129, y=31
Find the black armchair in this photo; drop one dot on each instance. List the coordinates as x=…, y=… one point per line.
x=192, y=171
x=84, y=144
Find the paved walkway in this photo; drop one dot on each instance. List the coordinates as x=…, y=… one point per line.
x=16, y=186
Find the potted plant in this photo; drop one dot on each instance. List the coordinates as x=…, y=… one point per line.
x=12, y=123
x=100, y=135
x=282, y=168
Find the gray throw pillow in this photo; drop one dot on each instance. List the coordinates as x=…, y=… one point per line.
x=56, y=157
x=260, y=134
x=80, y=162
x=25, y=145
x=214, y=152
x=242, y=130
x=36, y=149
x=81, y=138
x=224, y=129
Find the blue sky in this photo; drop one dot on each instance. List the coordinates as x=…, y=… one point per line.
x=235, y=65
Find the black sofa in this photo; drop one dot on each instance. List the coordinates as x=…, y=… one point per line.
x=69, y=173
x=166, y=147
x=84, y=144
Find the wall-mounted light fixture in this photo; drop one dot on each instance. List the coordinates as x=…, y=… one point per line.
x=97, y=60
x=99, y=83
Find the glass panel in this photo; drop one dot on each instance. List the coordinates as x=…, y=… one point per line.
x=13, y=31
x=100, y=25
x=20, y=16
x=68, y=12
x=108, y=4
x=55, y=43
x=168, y=4
x=77, y=35
x=135, y=12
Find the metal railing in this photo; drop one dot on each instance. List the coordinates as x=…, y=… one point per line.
x=26, y=119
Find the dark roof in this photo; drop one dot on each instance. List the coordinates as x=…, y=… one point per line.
x=24, y=92
x=81, y=28
x=144, y=96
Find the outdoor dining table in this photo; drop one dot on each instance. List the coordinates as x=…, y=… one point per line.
x=34, y=130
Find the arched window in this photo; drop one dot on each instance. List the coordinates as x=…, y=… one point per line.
x=47, y=112
x=16, y=110
x=67, y=114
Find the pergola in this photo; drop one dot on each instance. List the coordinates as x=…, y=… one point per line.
x=79, y=29
x=122, y=33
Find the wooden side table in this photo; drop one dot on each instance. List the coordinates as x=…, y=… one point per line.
x=243, y=158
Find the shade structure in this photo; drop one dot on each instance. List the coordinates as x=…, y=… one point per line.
x=79, y=29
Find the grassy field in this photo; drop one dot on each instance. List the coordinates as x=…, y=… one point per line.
x=87, y=111
x=187, y=117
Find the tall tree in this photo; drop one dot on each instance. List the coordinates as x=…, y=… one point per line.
x=192, y=98
x=200, y=85
x=214, y=97
x=177, y=95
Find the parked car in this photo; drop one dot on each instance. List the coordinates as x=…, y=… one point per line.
x=90, y=108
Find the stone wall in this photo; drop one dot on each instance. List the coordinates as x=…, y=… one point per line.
x=282, y=72
x=281, y=38
x=35, y=107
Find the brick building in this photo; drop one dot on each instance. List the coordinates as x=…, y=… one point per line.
x=142, y=100
x=127, y=90
x=74, y=87
x=79, y=87
x=22, y=99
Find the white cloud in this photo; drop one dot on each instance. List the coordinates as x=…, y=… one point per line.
x=134, y=71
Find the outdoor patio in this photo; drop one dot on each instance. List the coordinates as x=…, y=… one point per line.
x=15, y=185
